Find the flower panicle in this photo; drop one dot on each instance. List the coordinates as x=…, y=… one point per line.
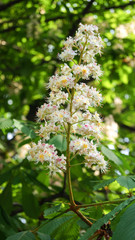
x=69, y=104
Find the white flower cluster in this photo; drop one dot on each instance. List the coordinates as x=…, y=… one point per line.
x=86, y=148
x=69, y=104
x=46, y=153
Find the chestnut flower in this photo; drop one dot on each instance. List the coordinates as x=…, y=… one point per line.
x=69, y=105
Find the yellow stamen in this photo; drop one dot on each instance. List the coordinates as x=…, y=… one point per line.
x=64, y=81
x=84, y=71
x=41, y=156
x=85, y=145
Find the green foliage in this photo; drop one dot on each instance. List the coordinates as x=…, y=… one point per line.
x=5, y=123
x=31, y=35
x=104, y=183
x=65, y=227
x=110, y=155
x=43, y=236
x=106, y=218
x=24, y=129
x=125, y=228
x=29, y=202
x=125, y=181
x=60, y=142
x=26, y=235
x=128, y=182
x=53, y=225
x=6, y=198
x=52, y=210
x=8, y=226
x=67, y=230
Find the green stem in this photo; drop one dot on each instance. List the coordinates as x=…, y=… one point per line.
x=72, y=202
x=73, y=165
x=68, y=155
x=88, y=222
x=101, y=203
x=68, y=167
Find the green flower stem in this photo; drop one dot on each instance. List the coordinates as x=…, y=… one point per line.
x=73, y=165
x=68, y=168
x=72, y=202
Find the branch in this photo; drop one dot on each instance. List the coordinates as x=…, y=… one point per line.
x=101, y=203
x=9, y=4
x=80, y=215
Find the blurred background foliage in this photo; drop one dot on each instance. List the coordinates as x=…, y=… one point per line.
x=31, y=35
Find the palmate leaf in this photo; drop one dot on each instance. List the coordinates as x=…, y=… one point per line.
x=126, y=181
x=106, y=218
x=25, y=235
x=125, y=229
x=5, y=123
x=52, y=225
x=43, y=236
x=52, y=210
x=67, y=230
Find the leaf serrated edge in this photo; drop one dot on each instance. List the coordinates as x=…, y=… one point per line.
x=111, y=215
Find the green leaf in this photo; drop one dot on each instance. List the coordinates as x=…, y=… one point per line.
x=126, y=181
x=52, y=210
x=110, y=155
x=67, y=230
x=52, y=225
x=7, y=225
x=36, y=182
x=106, y=218
x=95, y=212
x=5, y=176
x=2, y=146
x=43, y=236
x=25, y=129
x=5, y=123
x=104, y=183
x=26, y=235
x=26, y=141
x=6, y=198
x=125, y=160
x=44, y=178
x=29, y=202
x=125, y=229
x=59, y=142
